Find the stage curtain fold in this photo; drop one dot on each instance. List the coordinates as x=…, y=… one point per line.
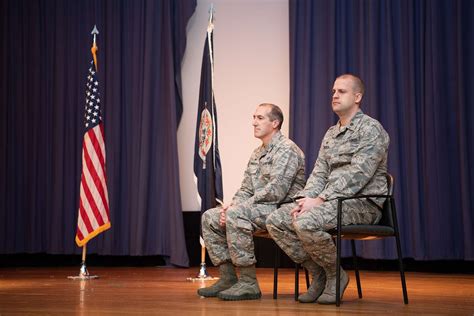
x=416, y=59
x=45, y=54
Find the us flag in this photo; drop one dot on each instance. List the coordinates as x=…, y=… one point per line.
x=93, y=202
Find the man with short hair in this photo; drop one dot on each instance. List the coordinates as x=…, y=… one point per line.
x=352, y=161
x=274, y=173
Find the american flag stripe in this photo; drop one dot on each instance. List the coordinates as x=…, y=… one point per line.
x=79, y=235
x=94, y=138
x=97, y=139
x=86, y=225
x=95, y=198
x=94, y=201
x=89, y=212
x=95, y=173
x=90, y=208
x=81, y=226
x=92, y=197
x=99, y=134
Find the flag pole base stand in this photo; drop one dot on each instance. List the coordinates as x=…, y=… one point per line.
x=82, y=277
x=83, y=274
x=203, y=275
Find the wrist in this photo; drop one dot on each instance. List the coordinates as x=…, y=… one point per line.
x=323, y=197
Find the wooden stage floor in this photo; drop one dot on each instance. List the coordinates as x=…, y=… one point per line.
x=165, y=291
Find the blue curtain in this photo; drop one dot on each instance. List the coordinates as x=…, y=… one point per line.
x=415, y=57
x=44, y=59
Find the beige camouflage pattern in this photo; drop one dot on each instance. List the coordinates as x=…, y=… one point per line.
x=351, y=161
x=273, y=175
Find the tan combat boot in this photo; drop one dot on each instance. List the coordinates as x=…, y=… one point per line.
x=245, y=289
x=227, y=278
x=317, y=285
x=329, y=294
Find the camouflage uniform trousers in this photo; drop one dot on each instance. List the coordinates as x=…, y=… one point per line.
x=306, y=237
x=234, y=241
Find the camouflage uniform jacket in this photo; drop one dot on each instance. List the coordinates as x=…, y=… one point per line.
x=274, y=173
x=352, y=160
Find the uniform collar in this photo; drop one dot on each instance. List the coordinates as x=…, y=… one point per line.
x=276, y=139
x=352, y=124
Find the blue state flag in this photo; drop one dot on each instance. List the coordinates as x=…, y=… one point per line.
x=207, y=163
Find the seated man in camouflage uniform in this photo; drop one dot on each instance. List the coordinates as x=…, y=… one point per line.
x=274, y=173
x=352, y=160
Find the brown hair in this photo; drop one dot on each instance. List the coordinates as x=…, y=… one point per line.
x=275, y=113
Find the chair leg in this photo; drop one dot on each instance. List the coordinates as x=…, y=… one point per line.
x=297, y=280
x=402, y=271
x=356, y=267
x=275, y=271
x=399, y=251
x=338, y=254
x=338, y=274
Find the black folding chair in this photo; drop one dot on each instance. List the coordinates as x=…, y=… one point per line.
x=387, y=227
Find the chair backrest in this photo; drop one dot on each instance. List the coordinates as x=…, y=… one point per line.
x=387, y=211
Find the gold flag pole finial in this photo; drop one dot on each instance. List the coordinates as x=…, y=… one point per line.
x=94, y=47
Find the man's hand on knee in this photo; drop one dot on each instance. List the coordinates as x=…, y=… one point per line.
x=224, y=209
x=295, y=211
x=305, y=204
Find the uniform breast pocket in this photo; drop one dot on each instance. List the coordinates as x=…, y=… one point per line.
x=349, y=148
x=343, y=155
x=265, y=169
x=252, y=170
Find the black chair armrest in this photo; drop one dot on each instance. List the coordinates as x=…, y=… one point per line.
x=342, y=199
x=364, y=197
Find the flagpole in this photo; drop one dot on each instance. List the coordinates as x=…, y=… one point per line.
x=83, y=273
x=84, y=253
x=203, y=274
x=94, y=46
x=203, y=254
